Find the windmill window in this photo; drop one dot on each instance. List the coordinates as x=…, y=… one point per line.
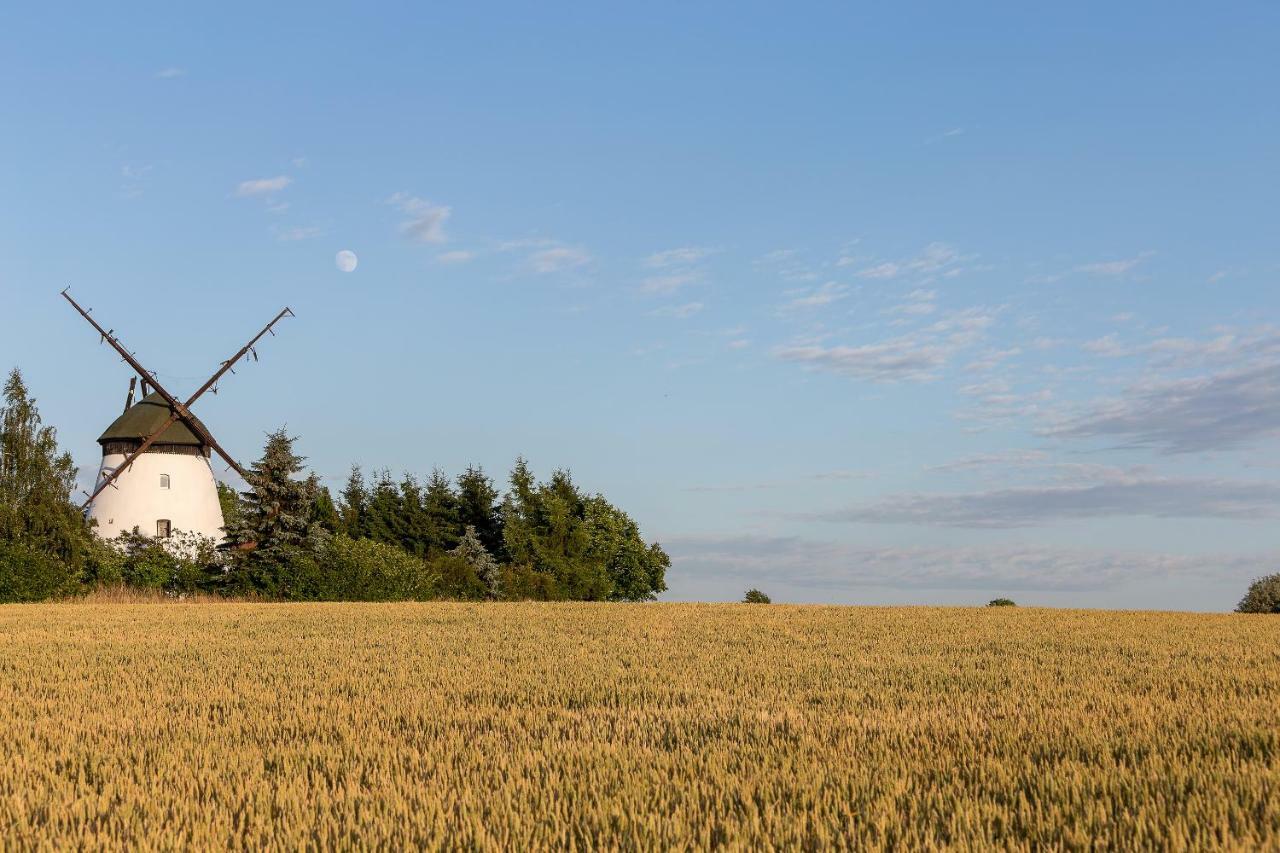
x=162, y=528
x=164, y=481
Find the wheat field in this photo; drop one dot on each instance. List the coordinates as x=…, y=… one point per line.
x=593, y=726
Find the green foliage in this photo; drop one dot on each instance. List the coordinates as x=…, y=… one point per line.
x=479, y=562
x=589, y=550
x=35, y=484
x=183, y=563
x=479, y=508
x=346, y=569
x=353, y=503
x=275, y=530
x=323, y=510
x=755, y=596
x=229, y=502
x=28, y=573
x=1002, y=602
x=1263, y=596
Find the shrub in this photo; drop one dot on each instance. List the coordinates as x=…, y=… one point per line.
x=1002, y=602
x=1263, y=596
x=28, y=574
x=346, y=569
x=755, y=596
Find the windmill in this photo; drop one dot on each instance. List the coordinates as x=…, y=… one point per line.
x=155, y=475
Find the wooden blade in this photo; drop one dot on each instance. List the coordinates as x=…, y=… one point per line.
x=178, y=411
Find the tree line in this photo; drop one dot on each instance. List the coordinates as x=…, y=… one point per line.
x=288, y=538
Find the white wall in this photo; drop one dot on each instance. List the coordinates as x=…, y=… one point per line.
x=136, y=498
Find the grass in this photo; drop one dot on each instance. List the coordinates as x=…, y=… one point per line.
x=609, y=726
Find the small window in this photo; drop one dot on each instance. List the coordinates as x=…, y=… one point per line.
x=164, y=481
x=162, y=528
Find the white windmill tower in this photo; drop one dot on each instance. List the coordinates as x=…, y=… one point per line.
x=155, y=475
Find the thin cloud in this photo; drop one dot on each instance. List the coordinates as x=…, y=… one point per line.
x=1227, y=410
x=1030, y=506
x=425, y=223
x=677, y=257
x=819, y=297
x=662, y=285
x=828, y=476
x=558, y=259
x=262, y=186
x=1114, y=268
x=936, y=258
x=833, y=565
x=679, y=312
x=918, y=357
x=170, y=73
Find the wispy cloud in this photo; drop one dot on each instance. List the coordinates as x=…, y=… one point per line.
x=558, y=259
x=425, y=222
x=1114, y=268
x=679, y=312
x=1116, y=494
x=1227, y=410
x=937, y=258
x=833, y=565
x=818, y=297
x=916, y=357
x=837, y=475
x=946, y=134
x=662, y=285
x=682, y=256
x=170, y=73
x=458, y=256
x=262, y=186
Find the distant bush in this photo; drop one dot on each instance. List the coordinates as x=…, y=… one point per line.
x=1002, y=602
x=755, y=596
x=346, y=569
x=29, y=574
x=1263, y=596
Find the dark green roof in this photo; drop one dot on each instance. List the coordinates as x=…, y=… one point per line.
x=145, y=417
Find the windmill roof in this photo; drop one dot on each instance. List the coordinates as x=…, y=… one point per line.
x=145, y=417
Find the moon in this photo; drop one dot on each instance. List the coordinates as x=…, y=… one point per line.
x=346, y=260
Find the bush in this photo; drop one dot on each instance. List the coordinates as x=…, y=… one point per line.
x=27, y=574
x=1263, y=596
x=755, y=596
x=1002, y=602
x=183, y=563
x=346, y=569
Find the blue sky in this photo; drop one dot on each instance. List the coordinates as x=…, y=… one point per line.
x=882, y=304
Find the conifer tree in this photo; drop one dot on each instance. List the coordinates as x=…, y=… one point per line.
x=355, y=502
x=472, y=551
x=275, y=527
x=383, y=515
x=323, y=510
x=440, y=504
x=478, y=508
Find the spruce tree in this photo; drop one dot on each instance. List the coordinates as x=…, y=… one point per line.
x=323, y=510
x=472, y=551
x=440, y=504
x=383, y=516
x=355, y=501
x=478, y=508
x=275, y=529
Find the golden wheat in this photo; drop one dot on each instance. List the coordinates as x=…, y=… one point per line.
x=586, y=726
